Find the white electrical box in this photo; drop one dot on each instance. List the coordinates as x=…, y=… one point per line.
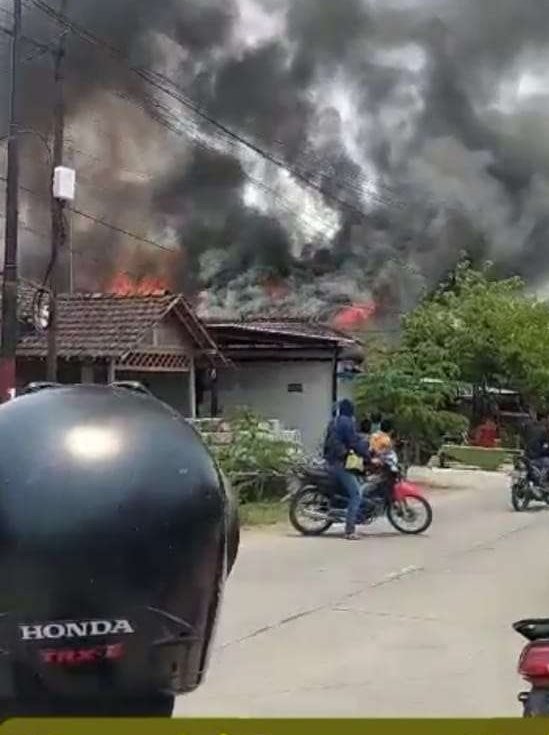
x=64, y=183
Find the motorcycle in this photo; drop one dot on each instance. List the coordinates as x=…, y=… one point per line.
x=526, y=485
x=317, y=502
x=533, y=666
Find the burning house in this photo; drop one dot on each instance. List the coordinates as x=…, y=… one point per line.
x=156, y=339
x=289, y=370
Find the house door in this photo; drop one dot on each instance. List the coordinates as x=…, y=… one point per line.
x=171, y=388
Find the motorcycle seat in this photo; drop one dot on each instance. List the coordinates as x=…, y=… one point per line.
x=533, y=629
x=319, y=474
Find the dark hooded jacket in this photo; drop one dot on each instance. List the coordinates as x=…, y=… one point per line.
x=342, y=436
x=535, y=440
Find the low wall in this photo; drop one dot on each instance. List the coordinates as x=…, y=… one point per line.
x=219, y=431
x=456, y=478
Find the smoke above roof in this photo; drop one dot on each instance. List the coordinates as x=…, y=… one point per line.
x=421, y=125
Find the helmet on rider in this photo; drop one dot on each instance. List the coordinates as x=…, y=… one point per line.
x=117, y=532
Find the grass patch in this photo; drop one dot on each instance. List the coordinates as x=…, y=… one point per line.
x=263, y=514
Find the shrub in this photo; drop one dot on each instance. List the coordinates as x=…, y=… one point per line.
x=253, y=458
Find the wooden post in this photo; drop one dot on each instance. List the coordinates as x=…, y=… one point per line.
x=334, y=376
x=111, y=372
x=214, y=394
x=10, y=326
x=192, y=388
x=86, y=373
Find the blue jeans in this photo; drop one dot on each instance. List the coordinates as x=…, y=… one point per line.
x=349, y=483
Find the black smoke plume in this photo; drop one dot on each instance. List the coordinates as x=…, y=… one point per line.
x=403, y=117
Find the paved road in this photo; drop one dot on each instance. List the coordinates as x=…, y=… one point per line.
x=385, y=626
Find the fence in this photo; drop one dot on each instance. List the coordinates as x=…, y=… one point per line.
x=218, y=431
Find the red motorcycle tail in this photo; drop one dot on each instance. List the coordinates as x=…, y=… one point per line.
x=534, y=663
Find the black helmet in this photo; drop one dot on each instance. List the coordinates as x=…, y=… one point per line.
x=117, y=532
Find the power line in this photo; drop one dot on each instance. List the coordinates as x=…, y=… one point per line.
x=121, y=231
x=170, y=88
x=41, y=49
x=160, y=115
x=167, y=86
x=316, y=181
x=27, y=228
x=102, y=222
x=77, y=253
x=43, y=45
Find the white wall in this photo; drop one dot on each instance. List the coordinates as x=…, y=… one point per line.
x=263, y=387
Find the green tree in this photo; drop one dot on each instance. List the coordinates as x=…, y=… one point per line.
x=489, y=330
x=418, y=402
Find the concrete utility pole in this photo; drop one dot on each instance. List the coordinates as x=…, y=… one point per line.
x=58, y=233
x=9, y=285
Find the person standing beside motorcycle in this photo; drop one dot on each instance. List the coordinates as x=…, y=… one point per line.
x=342, y=439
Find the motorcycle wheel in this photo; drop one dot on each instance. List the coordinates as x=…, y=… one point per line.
x=520, y=497
x=310, y=511
x=411, y=516
x=535, y=704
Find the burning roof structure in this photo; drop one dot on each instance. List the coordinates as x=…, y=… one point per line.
x=307, y=153
x=114, y=327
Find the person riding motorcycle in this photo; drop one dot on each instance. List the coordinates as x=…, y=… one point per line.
x=342, y=439
x=117, y=533
x=536, y=446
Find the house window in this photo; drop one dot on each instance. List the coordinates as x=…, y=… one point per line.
x=295, y=388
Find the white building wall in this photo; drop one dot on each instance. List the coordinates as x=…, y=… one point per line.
x=266, y=388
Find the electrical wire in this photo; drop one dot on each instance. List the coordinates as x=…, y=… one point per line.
x=98, y=220
x=121, y=231
x=160, y=114
x=168, y=86
x=78, y=253
x=161, y=82
x=317, y=228
x=319, y=181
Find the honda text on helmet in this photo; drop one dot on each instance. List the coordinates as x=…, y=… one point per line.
x=117, y=532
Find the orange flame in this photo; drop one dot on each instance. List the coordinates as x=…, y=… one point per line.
x=355, y=316
x=125, y=285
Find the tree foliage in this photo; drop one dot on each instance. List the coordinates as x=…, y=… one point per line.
x=474, y=329
x=418, y=403
x=253, y=458
x=485, y=331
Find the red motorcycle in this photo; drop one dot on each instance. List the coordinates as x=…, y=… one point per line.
x=533, y=666
x=317, y=502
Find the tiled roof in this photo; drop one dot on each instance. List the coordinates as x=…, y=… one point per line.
x=101, y=326
x=306, y=329
x=106, y=326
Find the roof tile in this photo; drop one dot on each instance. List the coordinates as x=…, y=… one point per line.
x=304, y=328
x=99, y=325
